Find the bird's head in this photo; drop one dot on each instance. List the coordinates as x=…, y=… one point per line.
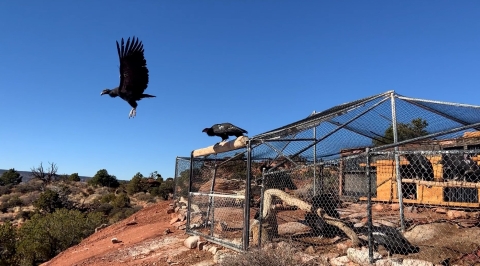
x=209, y=131
x=113, y=93
x=105, y=91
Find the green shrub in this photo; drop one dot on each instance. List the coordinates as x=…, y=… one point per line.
x=8, y=237
x=118, y=214
x=135, y=184
x=15, y=201
x=104, y=208
x=102, y=178
x=121, y=201
x=45, y=236
x=10, y=177
x=74, y=177
x=48, y=201
x=166, y=188
x=108, y=198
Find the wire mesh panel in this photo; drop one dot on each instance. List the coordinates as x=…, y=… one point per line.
x=439, y=190
x=396, y=174
x=218, y=217
x=182, y=175
x=312, y=202
x=217, y=198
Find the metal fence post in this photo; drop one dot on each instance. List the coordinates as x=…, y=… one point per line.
x=260, y=217
x=314, y=160
x=369, y=206
x=246, y=217
x=190, y=184
x=397, y=163
x=175, y=179
x=211, y=203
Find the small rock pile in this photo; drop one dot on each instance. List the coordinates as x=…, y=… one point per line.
x=218, y=252
x=178, y=213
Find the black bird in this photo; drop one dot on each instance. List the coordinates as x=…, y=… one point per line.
x=133, y=74
x=224, y=130
x=390, y=238
x=456, y=166
x=278, y=180
x=422, y=168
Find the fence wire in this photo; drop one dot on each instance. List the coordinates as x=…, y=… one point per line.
x=336, y=180
x=440, y=193
x=217, y=196
x=182, y=177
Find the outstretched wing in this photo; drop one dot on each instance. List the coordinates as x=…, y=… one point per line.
x=133, y=68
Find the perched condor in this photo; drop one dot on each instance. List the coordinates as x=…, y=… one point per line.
x=224, y=130
x=421, y=167
x=133, y=74
x=278, y=179
x=460, y=166
x=390, y=238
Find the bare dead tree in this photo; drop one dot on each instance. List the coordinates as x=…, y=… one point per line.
x=46, y=175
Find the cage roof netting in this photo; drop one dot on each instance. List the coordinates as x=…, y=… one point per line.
x=359, y=123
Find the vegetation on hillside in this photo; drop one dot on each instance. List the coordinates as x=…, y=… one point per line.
x=58, y=211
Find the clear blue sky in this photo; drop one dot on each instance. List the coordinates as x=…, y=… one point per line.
x=256, y=64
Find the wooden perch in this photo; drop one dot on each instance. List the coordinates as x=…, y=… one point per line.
x=235, y=144
x=443, y=183
x=308, y=208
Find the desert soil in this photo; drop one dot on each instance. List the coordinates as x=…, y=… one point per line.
x=143, y=242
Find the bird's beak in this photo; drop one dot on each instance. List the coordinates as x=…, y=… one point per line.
x=102, y=93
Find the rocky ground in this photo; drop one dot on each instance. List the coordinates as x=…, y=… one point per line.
x=156, y=236
x=149, y=237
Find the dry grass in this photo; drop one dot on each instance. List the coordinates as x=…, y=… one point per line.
x=30, y=186
x=281, y=254
x=147, y=197
x=30, y=198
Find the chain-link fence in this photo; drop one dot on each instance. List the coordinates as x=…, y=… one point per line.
x=394, y=174
x=439, y=191
x=295, y=186
x=182, y=177
x=217, y=198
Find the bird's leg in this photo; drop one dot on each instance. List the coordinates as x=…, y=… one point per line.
x=132, y=113
x=218, y=143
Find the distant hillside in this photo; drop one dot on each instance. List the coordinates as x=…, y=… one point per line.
x=28, y=175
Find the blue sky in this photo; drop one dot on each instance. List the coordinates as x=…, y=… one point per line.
x=257, y=64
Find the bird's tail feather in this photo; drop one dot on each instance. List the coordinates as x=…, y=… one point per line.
x=148, y=96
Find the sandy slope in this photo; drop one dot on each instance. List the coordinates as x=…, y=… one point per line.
x=143, y=243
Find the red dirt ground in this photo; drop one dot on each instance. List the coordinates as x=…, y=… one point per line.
x=143, y=243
